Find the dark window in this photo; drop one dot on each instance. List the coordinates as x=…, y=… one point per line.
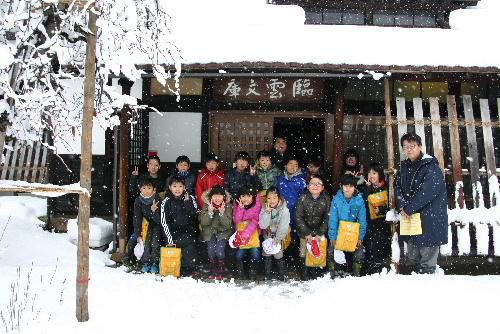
x=314, y=17
x=383, y=18
x=423, y=19
x=402, y=19
x=332, y=17
x=353, y=16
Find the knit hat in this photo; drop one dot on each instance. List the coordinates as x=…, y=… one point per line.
x=139, y=250
x=270, y=248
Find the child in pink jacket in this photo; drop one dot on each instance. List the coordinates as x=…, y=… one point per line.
x=246, y=210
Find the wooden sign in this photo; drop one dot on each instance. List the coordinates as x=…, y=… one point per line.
x=268, y=90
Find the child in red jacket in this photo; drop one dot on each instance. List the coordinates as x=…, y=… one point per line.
x=209, y=176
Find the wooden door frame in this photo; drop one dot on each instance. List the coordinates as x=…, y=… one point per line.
x=329, y=127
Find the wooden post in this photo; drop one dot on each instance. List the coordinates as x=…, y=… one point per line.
x=82, y=276
x=123, y=171
x=473, y=157
x=489, y=149
x=339, y=134
x=455, y=149
x=402, y=122
x=418, y=114
x=437, y=139
x=389, y=141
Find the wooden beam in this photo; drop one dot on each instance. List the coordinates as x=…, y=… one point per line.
x=338, y=133
x=82, y=276
x=389, y=141
x=437, y=139
x=123, y=171
x=418, y=114
x=402, y=123
x=455, y=150
x=489, y=148
x=473, y=157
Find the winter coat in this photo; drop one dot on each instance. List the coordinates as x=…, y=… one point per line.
x=216, y=224
x=234, y=180
x=205, y=181
x=180, y=215
x=419, y=187
x=290, y=188
x=189, y=181
x=268, y=177
x=142, y=210
x=251, y=215
x=133, y=183
x=275, y=224
x=311, y=215
x=353, y=210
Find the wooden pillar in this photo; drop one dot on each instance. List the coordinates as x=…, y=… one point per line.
x=473, y=155
x=389, y=141
x=489, y=147
x=338, y=130
x=123, y=169
x=455, y=150
x=82, y=276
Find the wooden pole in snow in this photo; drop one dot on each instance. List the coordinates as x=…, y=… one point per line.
x=82, y=276
x=389, y=141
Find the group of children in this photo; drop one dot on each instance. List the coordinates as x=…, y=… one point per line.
x=265, y=210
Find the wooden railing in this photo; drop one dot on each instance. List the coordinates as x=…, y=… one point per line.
x=478, y=225
x=23, y=162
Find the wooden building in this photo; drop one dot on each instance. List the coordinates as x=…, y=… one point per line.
x=322, y=107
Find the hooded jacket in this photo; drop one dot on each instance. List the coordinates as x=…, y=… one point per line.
x=419, y=187
x=353, y=210
x=205, y=181
x=268, y=177
x=216, y=224
x=250, y=214
x=290, y=188
x=275, y=223
x=311, y=215
x=179, y=219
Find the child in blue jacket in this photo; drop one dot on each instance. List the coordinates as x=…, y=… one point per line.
x=291, y=185
x=348, y=205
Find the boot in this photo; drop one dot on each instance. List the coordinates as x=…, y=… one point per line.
x=252, y=271
x=268, y=265
x=213, y=269
x=331, y=267
x=240, y=272
x=221, y=269
x=280, y=265
x=356, y=269
x=304, y=272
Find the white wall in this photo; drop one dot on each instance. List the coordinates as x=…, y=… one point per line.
x=175, y=133
x=69, y=144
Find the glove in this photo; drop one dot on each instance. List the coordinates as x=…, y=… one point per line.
x=237, y=240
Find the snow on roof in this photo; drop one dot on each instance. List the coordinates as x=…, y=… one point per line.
x=230, y=31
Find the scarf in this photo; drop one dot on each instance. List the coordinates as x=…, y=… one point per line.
x=147, y=200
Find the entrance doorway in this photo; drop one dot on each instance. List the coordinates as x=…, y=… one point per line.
x=305, y=135
x=233, y=131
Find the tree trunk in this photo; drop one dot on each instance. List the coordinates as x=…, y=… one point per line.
x=82, y=276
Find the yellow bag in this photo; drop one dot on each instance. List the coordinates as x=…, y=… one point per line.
x=144, y=229
x=377, y=200
x=320, y=261
x=411, y=226
x=170, y=261
x=347, y=236
x=254, y=238
x=263, y=197
x=285, y=243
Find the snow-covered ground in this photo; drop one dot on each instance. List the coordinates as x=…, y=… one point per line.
x=127, y=303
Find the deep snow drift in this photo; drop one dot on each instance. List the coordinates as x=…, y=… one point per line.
x=126, y=303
